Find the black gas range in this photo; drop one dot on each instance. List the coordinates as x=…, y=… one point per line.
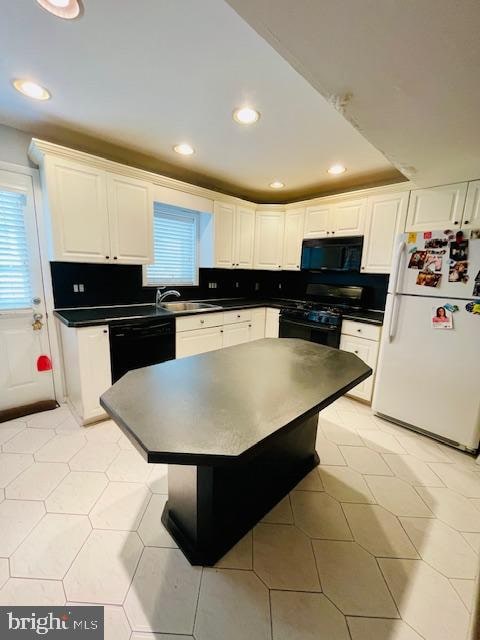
x=319, y=319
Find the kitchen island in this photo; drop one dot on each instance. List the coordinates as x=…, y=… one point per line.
x=237, y=428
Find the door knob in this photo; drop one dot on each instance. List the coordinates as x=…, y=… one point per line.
x=37, y=323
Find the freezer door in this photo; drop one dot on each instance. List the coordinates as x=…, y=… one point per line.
x=429, y=378
x=407, y=277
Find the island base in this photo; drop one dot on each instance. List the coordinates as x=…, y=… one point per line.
x=210, y=508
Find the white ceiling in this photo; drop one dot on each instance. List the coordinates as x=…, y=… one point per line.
x=148, y=74
x=412, y=68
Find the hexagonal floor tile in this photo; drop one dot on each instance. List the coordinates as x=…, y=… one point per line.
x=398, y=497
x=352, y=580
x=382, y=442
x=473, y=540
x=452, y=508
x=280, y=514
x=50, y=548
x=151, y=530
x=4, y=571
x=103, y=432
x=228, y=597
x=94, y=458
x=158, y=479
x=28, y=441
x=116, y=625
x=37, y=482
x=364, y=460
x=319, y=515
x=328, y=452
x=10, y=429
x=466, y=589
x=240, y=556
x=339, y=434
x=129, y=466
x=380, y=629
x=61, y=448
x=306, y=616
x=104, y=567
x=345, y=484
x=77, y=492
x=379, y=531
x=17, y=519
x=121, y=506
x=12, y=465
x=422, y=448
x=48, y=419
x=460, y=480
x=163, y=595
x=311, y=482
x=413, y=470
x=24, y=592
x=138, y=635
x=283, y=558
x=426, y=600
x=442, y=547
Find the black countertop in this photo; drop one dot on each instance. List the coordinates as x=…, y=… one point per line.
x=90, y=316
x=218, y=406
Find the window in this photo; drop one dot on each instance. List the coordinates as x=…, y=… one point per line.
x=175, y=246
x=15, y=287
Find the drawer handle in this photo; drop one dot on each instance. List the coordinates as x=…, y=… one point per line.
x=355, y=352
x=359, y=330
x=202, y=321
x=238, y=315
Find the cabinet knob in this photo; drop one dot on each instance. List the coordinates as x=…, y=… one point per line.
x=467, y=222
x=221, y=330
x=115, y=258
x=105, y=331
x=328, y=233
x=359, y=330
x=363, y=268
x=238, y=315
x=249, y=326
x=355, y=352
x=456, y=222
x=333, y=232
x=107, y=257
x=233, y=264
x=202, y=321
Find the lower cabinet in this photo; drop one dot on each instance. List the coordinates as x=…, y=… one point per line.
x=86, y=358
x=272, y=323
x=236, y=334
x=366, y=348
x=189, y=343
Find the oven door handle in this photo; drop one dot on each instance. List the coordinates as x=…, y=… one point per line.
x=315, y=327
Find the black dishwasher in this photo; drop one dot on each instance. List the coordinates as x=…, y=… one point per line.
x=140, y=343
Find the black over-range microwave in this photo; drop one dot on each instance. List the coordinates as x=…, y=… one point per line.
x=332, y=254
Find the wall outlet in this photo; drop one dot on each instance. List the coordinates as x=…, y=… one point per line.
x=75, y=288
x=237, y=284
x=81, y=288
x=279, y=285
x=257, y=286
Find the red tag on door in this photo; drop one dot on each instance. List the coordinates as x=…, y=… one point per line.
x=44, y=363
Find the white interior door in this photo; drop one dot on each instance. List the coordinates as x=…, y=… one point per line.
x=21, y=299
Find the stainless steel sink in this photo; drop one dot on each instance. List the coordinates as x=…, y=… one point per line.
x=187, y=307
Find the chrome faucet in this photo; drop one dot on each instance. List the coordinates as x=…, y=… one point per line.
x=160, y=297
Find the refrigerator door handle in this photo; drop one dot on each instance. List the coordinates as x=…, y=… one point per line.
x=392, y=327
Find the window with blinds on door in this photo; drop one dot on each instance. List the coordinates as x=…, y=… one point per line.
x=15, y=284
x=175, y=238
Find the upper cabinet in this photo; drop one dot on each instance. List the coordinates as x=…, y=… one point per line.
x=234, y=236
x=385, y=219
x=342, y=219
x=269, y=231
x=471, y=215
x=97, y=216
x=293, y=236
x=436, y=208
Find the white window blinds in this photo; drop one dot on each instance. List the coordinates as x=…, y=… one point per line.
x=15, y=286
x=175, y=236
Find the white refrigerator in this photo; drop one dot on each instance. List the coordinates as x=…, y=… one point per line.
x=428, y=377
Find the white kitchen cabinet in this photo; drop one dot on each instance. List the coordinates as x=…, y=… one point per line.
x=236, y=333
x=272, y=323
x=436, y=208
x=76, y=197
x=244, y=237
x=471, y=215
x=224, y=224
x=317, y=221
x=293, y=237
x=363, y=340
x=190, y=343
x=258, y=324
x=86, y=360
x=269, y=227
x=130, y=212
x=348, y=218
x=385, y=219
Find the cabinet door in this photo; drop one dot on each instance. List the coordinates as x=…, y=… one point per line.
x=348, y=218
x=77, y=198
x=189, y=343
x=244, y=237
x=272, y=323
x=269, y=240
x=258, y=324
x=224, y=222
x=471, y=216
x=385, y=219
x=236, y=333
x=317, y=221
x=130, y=211
x=293, y=236
x=436, y=208
x=94, y=367
x=366, y=350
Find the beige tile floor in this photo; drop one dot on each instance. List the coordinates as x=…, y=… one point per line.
x=379, y=543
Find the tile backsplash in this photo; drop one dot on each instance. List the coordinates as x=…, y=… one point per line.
x=84, y=285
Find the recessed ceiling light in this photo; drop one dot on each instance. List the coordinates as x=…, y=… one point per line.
x=336, y=169
x=31, y=89
x=66, y=9
x=184, y=149
x=277, y=184
x=246, y=115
